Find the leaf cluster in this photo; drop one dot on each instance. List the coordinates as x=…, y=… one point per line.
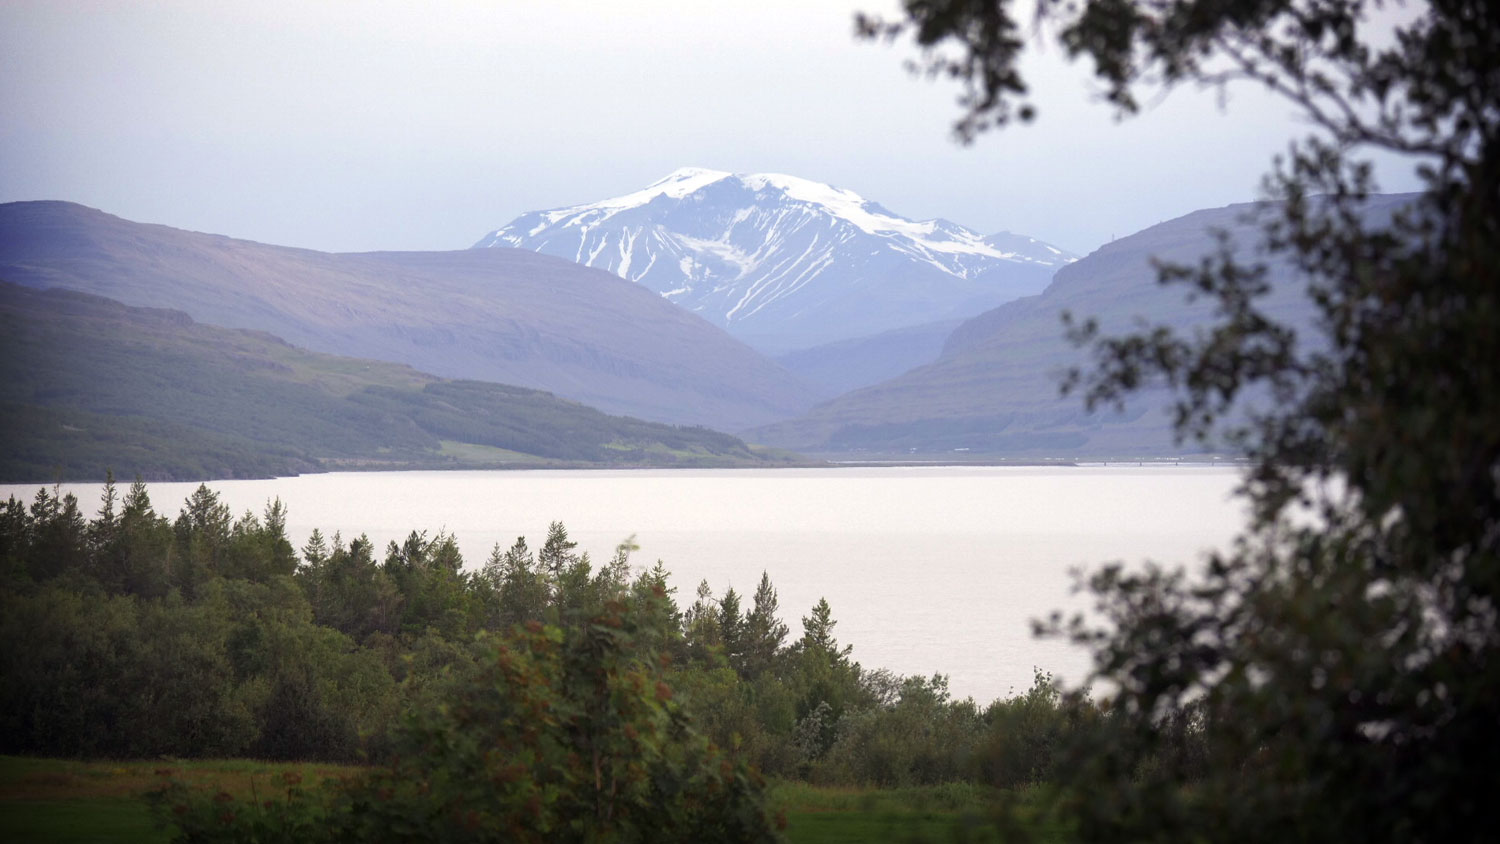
x=1333, y=675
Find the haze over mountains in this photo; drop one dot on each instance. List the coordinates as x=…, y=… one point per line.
x=86, y=382
x=513, y=322
x=994, y=388
x=497, y=315
x=786, y=263
x=844, y=365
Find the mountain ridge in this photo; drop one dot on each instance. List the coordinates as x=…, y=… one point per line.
x=784, y=262
x=494, y=315
x=994, y=387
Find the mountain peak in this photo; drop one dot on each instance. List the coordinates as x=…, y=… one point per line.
x=684, y=174
x=780, y=260
x=683, y=181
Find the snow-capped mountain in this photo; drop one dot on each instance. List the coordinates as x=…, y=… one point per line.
x=785, y=263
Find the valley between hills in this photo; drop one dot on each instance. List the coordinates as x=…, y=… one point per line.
x=631, y=331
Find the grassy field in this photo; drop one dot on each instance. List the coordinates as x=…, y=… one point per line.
x=935, y=814
x=47, y=800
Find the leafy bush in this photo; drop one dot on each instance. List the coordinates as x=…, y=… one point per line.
x=1026, y=734
x=922, y=739
x=561, y=735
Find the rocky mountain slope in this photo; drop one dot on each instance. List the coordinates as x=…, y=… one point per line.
x=994, y=389
x=498, y=315
x=786, y=263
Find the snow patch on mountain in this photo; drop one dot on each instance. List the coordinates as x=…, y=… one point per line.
x=779, y=260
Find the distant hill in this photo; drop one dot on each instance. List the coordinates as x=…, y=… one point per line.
x=498, y=315
x=844, y=365
x=88, y=383
x=786, y=263
x=994, y=389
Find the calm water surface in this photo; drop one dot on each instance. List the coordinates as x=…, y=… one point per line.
x=928, y=570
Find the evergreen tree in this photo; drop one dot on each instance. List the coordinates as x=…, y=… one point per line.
x=653, y=593
x=732, y=629
x=522, y=592
x=428, y=575
x=203, y=533
x=354, y=595
x=765, y=634
x=144, y=559
x=102, y=532
x=59, y=536
x=615, y=576
x=701, y=628
x=315, y=552
x=15, y=539
x=828, y=683
x=817, y=634
x=556, y=556
x=280, y=555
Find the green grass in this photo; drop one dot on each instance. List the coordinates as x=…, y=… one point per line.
x=476, y=454
x=856, y=828
x=79, y=820
x=73, y=802
x=954, y=812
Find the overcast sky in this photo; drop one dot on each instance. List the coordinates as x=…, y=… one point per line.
x=381, y=125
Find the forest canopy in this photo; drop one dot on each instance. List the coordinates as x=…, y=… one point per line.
x=129, y=634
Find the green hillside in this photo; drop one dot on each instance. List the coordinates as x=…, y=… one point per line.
x=506, y=316
x=86, y=382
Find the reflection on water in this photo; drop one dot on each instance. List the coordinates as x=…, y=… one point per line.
x=930, y=569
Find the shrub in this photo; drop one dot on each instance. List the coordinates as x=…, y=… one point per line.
x=563, y=734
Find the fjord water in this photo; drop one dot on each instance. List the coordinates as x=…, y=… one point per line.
x=930, y=569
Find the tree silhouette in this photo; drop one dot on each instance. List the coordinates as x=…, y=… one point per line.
x=1336, y=675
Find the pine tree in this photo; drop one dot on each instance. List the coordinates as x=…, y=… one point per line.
x=701, y=627
x=144, y=560
x=203, y=532
x=59, y=535
x=315, y=552
x=102, y=531
x=829, y=683
x=556, y=555
x=817, y=633
x=521, y=592
x=282, y=557
x=732, y=629
x=765, y=634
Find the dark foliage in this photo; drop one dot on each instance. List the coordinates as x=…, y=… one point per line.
x=132, y=635
x=565, y=734
x=1335, y=675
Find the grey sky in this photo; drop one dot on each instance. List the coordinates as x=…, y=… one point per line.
x=383, y=125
